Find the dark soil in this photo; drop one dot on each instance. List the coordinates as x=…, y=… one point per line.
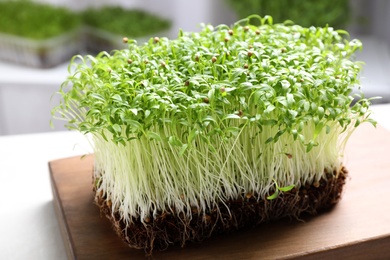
x=170, y=228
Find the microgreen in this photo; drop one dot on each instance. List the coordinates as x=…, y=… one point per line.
x=336, y=13
x=118, y=20
x=214, y=115
x=279, y=189
x=34, y=20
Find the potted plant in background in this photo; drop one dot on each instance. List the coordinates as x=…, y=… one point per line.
x=336, y=13
x=217, y=130
x=37, y=34
x=106, y=26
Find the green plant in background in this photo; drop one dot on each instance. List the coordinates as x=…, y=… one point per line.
x=306, y=13
x=192, y=135
x=117, y=20
x=36, y=20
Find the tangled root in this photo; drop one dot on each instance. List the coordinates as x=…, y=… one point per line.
x=168, y=228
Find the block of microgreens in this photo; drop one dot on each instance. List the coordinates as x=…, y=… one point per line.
x=216, y=130
x=336, y=13
x=105, y=26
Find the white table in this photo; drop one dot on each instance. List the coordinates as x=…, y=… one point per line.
x=23, y=87
x=28, y=226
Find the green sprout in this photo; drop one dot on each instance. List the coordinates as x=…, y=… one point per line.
x=204, y=119
x=279, y=189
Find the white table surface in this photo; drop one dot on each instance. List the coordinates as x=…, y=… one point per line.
x=28, y=226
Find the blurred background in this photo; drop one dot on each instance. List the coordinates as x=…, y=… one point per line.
x=38, y=38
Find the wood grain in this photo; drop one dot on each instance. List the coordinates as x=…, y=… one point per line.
x=357, y=228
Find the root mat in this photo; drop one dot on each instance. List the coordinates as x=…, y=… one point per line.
x=358, y=227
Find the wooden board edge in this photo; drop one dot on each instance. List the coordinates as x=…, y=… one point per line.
x=355, y=250
x=59, y=211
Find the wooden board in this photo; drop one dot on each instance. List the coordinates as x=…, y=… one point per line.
x=358, y=227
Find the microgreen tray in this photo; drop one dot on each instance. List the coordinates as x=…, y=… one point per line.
x=39, y=53
x=97, y=40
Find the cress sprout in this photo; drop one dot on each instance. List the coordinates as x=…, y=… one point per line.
x=186, y=126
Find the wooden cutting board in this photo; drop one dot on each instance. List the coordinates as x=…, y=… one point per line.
x=357, y=228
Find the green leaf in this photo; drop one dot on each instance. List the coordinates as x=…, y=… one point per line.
x=269, y=140
x=117, y=97
x=211, y=94
x=286, y=188
x=244, y=86
x=293, y=113
x=371, y=121
x=285, y=84
x=269, y=109
x=134, y=111
x=231, y=116
x=153, y=135
x=134, y=124
x=306, y=106
x=294, y=132
x=310, y=146
x=273, y=196
x=97, y=96
x=279, y=133
x=173, y=140
x=357, y=123
x=321, y=112
x=290, y=98
x=232, y=130
x=147, y=113
x=183, y=149
x=117, y=128
x=313, y=106
x=327, y=129
x=193, y=133
x=282, y=100
x=104, y=135
x=318, y=129
x=209, y=119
